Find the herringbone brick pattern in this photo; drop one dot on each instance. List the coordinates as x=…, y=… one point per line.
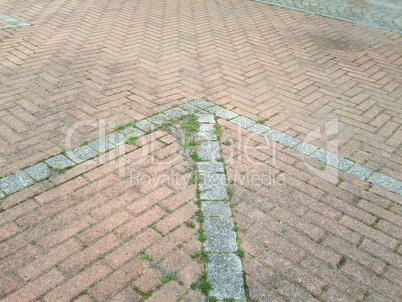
x=118, y=60
x=83, y=236
x=307, y=239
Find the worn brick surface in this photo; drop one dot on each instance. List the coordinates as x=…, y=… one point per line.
x=340, y=245
x=76, y=240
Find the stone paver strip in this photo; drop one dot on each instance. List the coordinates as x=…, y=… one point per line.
x=224, y=270
x=209, y=147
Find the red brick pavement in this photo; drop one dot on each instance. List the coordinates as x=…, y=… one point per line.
x=307, y=239
x=120, y=60
x=83, y=238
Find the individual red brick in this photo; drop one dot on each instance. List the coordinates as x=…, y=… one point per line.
x=192, y=246
x=114, y=205
x=258, y=216
x=274, y=242
x=171, y=291
x=37, y=287
x=332, y=227
x=80, y=209
x=177, y=218
x=17, y=211
x=30, y=236
x=298, y=223
x=348, y=209
x=131, y=248
x=73, y=264
x=293, y=292
x=148, y=201
x=127, y=294
x=295, y=273
x=167, y=243
x=382, y=252
x=264, y=274
x=381, y=212
x=368, y=231
x=333, y=277
x=179, y=198
x=136, y=224
x=331, y=294
x=314, y=248
x=259, y=292
x=190, y=273
x=95, y=187
x=390, y=229
x=22, y=196
x=148, y=281
x=117, y=280
x=8, y=230
x=64, y=233
x=104, y=227
x=369, y=279
x=251, y=246
x=61, y=190
x=46, y=261
x=79, y=283
x=8, y=284
x=47, y=211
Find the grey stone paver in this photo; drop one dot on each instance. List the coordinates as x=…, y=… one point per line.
x=206, y=136
x=207, y=128
x=213, y=192
x=81, y=154
x=226, y=277
x=145, y=126
x=210, y=167
x=101, y=145
x=189, y=107
x=386, y=182
x=130, y=131
x=220, y=237
x=305, y=148
x=359, y=171
x=216, y=208
x=59, y=162
x=15, y=182
x=2, y=195
x=117, y=138
x=206, y=118
x=259, y=129
x=222, y=112
x=209, y=151
x=201, y=103
x=243, y=122
x=176, y=112
x=159, y=119
x=38, y=172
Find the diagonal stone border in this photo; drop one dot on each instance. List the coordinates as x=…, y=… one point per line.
x=225, y=267
x=13, y=23
x=41, y=171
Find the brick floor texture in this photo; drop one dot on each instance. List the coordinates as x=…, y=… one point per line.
x=85, y=236
x=108, y=62
x=305, y=238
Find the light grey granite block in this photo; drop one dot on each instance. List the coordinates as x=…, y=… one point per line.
x=101, y=145
x=243, y=122
x=81, y=154
x=226, y=277
x=38, y=172
x=385, y=182
x=220, y=237
x=210, y=167
x=216, y=208
x=59, y=162
x=15, y=182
